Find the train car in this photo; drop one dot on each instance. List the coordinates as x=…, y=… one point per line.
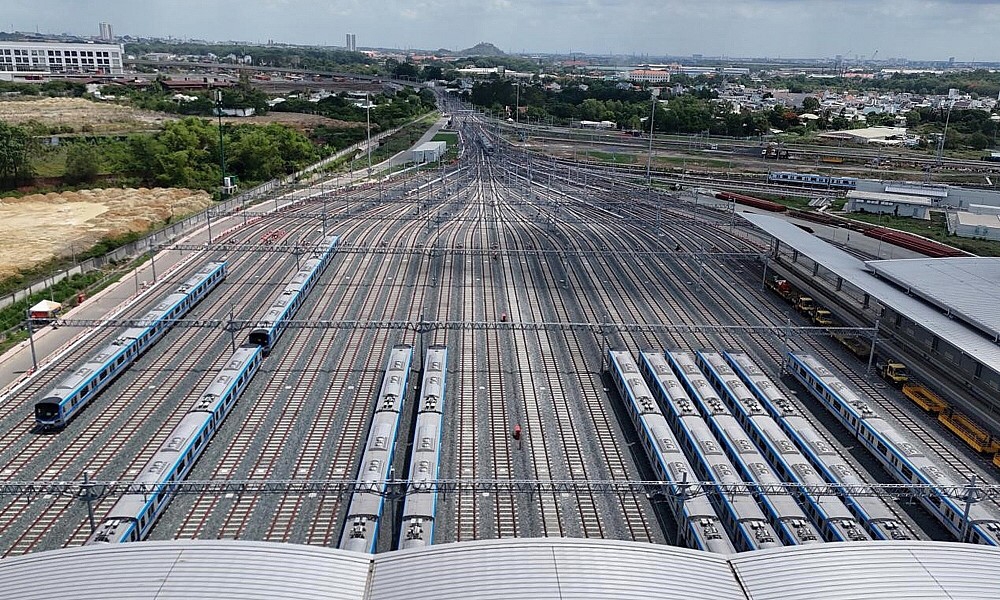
x=895, y=453
x=265, y=333
x=787, y=517
x=68, y=397
x=133, y=516
x=420, y=507
x=971, y=432
x=873, y=512
x=833, y=518
x=748, y=527
x=813, y=180
x=751, y=201
x=364, y=515
x=699, y=524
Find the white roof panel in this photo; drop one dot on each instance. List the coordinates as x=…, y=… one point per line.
x=870, y=570
x=968, y=287
x=552, y=568
x=184, y=571
x=539, y=568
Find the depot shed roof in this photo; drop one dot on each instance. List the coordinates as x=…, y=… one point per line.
x=967, y=287
x=540, y=569
x=967, y=338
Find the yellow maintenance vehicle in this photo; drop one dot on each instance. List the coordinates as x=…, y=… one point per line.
x=805, y=305
x=822, y=317
x=893, y=371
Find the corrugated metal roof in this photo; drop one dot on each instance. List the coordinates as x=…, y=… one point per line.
x=186, y=570
x=540, y=568
x=552, y=568
x=856, y=272
x=965, y=286
x=871, y=570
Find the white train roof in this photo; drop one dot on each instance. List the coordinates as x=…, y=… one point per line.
x=539, y=568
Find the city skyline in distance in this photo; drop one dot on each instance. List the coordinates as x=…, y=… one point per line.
x=931, y=30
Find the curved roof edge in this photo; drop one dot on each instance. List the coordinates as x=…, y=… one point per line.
x=522, y=567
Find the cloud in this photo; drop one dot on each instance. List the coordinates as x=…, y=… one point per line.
x=920, y=29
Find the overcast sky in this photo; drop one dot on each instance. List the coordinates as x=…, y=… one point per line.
x=916, y=29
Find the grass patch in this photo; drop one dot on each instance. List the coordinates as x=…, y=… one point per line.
x=935, y=229
x=449, y=137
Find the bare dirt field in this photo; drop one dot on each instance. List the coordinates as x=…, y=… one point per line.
x=77, y=112
x=39, y=227
x=296, y=120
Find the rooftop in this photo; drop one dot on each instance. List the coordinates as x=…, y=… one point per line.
x=859, y=274
x=963, y=286
x=540, y=568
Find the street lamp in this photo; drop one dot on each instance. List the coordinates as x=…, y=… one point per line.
x=368, y=119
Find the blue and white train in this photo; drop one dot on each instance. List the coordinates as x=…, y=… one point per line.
x=785, y=514
x=748, y=527
x=133, y=516
x=420, y=507
x=900, y=457
x=68, y=397
x=835, y=520
x=265, y=332
x=699, y=525
x=812, y=180
x=364, y=515
x=877, y=516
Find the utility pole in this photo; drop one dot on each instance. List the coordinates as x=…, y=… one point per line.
x=222, y=148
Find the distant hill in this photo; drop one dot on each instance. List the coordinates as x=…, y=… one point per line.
x=481, y=49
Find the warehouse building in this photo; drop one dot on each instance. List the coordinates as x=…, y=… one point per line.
x=881, y=203
x=36, y=60
x=971, y=225
x=428, y=152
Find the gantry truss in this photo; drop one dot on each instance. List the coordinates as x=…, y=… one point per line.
x=91, y=490
x=457, y=251
x=424, y=326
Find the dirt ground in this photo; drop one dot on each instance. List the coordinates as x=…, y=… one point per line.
x=39, y=227
x=301, y=121
x=77, y=112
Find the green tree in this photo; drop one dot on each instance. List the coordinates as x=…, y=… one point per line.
x=16, y=150
x=810, y=104
x=82, y=164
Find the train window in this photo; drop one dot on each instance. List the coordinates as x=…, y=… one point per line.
x=979, y=370
x=899, y=319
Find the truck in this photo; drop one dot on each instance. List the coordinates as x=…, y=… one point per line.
x=805, y=305
x=821, y=317
x=892, y=371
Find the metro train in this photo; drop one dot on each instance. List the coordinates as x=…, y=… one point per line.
x=785, y=514
x=699, y=524
x=420, y=507
x=876, y=515
x=811, y=180
x=68, y=397
x=265, y=333
x=834, y=519
x=133, y=516
x=748, y=527
x=364, y=515
x=900, y=457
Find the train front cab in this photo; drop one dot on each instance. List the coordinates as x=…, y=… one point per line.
x=49, y=414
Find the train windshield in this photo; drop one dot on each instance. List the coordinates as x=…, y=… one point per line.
x=47, y=410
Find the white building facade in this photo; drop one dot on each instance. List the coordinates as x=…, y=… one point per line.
x=33, y=60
